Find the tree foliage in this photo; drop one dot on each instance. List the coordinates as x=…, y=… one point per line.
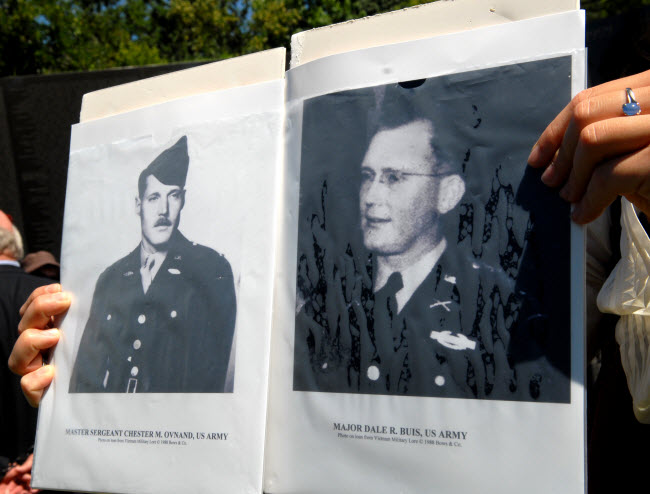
x=46, y=35
x=38, y=36
x=199, y=29
x=598, y=9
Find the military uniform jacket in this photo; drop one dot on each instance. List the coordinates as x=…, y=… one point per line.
x=409, y=361
x=453, y=338
x=175, y=338
x=404, y=359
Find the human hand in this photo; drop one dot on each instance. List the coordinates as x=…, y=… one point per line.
x=18, y=478
x=595, y=152
x=40, y=316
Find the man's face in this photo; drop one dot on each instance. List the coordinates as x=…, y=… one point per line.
x=160, y=211
x=398, y=190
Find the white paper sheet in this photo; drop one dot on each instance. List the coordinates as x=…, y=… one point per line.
x=421, y=21
x=240, y=71
x=213, y=442
x=322, y=442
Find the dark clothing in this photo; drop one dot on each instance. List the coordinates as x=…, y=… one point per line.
x=434, y=346
x=175, y=338
x=17, y=417
x=410, y=362
x=394, y=353
x=616, y=441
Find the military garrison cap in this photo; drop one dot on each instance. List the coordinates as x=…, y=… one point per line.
x=170, y=166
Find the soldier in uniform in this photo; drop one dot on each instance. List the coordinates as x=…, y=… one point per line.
x=162, y=318
x=410, y=339
x=418, y=314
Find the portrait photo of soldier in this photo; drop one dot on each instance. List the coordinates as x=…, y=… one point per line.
x=428, y=262
x=162, y=318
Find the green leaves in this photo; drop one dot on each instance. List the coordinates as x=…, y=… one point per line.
x=38, y=36
x=20, y=37
x=599, y=9
x=199, y=29
x=48, y=36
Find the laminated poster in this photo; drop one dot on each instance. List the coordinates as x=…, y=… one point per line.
x=424, y=288
x=429, y=327
x=168, y=250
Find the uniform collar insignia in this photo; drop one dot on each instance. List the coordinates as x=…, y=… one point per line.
x=445, y=305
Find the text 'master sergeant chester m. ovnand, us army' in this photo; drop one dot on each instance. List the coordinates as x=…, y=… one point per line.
x=162, y=318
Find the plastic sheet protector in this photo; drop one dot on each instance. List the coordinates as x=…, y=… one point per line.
x=428, y=323
x=168, y=249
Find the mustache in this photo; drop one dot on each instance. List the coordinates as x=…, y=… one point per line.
x=163, y=222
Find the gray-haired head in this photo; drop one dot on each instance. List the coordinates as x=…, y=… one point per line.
x=11, y=243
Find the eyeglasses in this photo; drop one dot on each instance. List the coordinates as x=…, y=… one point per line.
x=392, y=177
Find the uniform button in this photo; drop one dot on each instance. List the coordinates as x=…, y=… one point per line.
x=108, y=317
x=137, y=344
x=141, y=319
x=324, y=366
x=129, y=359
x=134, y=371
x=173, y=314
x=373, y=372
x=439, y=380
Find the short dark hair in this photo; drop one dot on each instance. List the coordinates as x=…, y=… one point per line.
x=399, y=107
x=142, y=183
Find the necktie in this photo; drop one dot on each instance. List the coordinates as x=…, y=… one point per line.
x=387, y=327
x=146, y=271
x=385, y=301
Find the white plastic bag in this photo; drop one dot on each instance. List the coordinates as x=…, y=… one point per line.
x=627, y=293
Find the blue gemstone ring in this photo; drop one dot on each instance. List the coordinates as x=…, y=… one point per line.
x=632, y=107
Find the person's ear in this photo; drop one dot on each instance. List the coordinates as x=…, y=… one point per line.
x=138, y=206
x=450, y=192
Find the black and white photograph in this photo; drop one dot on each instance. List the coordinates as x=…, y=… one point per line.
x=162, y=317
x=168, y=257
x=431, y=260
